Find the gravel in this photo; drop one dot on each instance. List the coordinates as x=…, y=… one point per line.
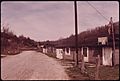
x=31, y=65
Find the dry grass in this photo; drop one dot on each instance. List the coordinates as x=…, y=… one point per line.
x=106, y=73
x=109, y=73
x=75, y=74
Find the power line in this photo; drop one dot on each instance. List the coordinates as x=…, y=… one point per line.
x=98, y=11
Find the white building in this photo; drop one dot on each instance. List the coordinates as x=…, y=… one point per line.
x=44, y=50
x=59, y=53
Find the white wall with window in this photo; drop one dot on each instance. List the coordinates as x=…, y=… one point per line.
x=67, y=51
x=85, y=52
x=59, y=53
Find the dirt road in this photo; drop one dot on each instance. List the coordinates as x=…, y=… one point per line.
x=31, y=65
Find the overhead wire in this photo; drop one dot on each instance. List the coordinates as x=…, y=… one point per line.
x=98, y=11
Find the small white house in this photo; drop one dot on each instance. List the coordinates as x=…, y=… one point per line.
x=106, y=51
x=59, y=53
x=67, y=51
x=106, y=55
x=85, y=52
x=44, y=50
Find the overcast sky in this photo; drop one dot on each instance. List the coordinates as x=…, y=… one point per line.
x=51, y=20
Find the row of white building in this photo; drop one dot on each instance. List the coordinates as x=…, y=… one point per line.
x=90, y=52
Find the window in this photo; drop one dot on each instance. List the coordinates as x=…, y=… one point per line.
x=85, y=52
x=67, y=49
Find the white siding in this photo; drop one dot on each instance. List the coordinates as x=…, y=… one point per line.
x=66, y=51
x=44, y=50
x=59, y=53
x=107, y=56
x=85, y=58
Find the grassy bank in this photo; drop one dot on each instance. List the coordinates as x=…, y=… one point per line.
x=106, y=73
x=75, y=74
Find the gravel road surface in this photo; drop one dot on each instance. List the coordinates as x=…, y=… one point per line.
x=31, y=65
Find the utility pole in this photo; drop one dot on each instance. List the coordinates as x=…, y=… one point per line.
x=113, y=39
x=76, y=34
x=97, y=67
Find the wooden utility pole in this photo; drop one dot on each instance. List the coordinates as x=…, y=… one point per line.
x=76, y=34
x=97, y=67
x=83, y=64
x=113, y=39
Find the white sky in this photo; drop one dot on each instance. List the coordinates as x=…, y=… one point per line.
x=51, y=20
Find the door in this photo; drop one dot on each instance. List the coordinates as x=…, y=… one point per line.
x=85, y=53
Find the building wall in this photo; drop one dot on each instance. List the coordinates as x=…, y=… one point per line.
x=72, y=55
x=44, y=50
x=67, y=51
x=85, y=53
x=92, y=58
x=107, y=55
x=79, y=54
x=117, y=56
x=51, y=51
x=59, y=53
x=106, y=58
x=69, y=57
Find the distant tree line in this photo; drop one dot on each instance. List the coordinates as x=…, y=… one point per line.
x=10, y=43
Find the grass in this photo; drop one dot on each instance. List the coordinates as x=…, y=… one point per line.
x=106, y=73
x=109, y=73
x=75, y=74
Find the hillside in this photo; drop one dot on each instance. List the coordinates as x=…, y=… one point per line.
x=89, y=37
x=11, y=44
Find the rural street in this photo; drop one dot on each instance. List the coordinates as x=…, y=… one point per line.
x=31, y=65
